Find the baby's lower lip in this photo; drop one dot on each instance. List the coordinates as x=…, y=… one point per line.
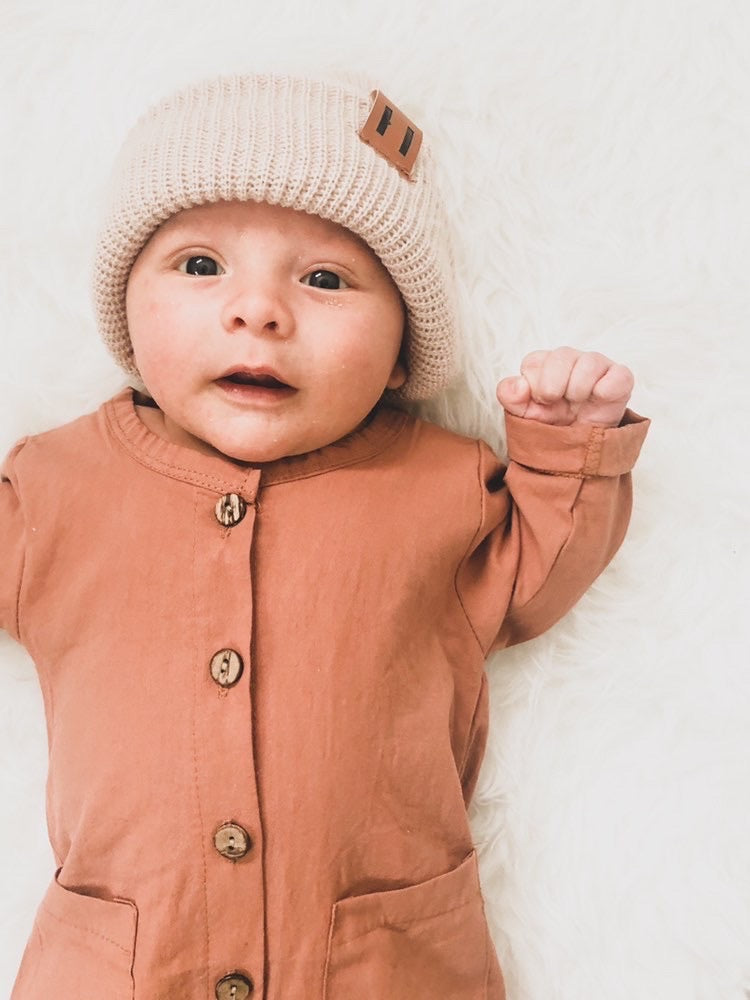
x=255, y=393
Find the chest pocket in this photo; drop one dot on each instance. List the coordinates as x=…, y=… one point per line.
x=417, y=943
x=81, y=948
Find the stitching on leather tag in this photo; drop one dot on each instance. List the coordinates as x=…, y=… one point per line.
x=392, y=134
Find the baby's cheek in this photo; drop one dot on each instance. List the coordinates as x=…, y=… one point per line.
x=355, y=371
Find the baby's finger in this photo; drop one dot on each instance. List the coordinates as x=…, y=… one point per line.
x=533, y=362
x=588, y=369
x=514, y=395
x=549, y=380
x=615, y=385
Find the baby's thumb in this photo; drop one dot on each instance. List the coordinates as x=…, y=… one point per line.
x=514, y=394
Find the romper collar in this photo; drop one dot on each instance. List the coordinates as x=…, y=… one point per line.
x=224, y=474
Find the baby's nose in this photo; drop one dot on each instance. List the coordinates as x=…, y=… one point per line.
x=258, y=308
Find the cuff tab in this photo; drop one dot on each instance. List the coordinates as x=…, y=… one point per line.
x=579, y=450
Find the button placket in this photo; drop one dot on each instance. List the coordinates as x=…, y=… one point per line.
x=223, y=572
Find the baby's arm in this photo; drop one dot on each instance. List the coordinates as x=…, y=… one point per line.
x=12, y=545
x=552, y=519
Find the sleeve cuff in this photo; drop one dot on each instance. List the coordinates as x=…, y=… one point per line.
x=579, y=450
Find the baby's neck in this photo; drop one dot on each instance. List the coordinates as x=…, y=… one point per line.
x=163, y=427
x=154, y=418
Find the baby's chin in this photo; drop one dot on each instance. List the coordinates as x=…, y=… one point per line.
x=260, y=449
x=273, y=441
x=248, y=444
x=269, y=452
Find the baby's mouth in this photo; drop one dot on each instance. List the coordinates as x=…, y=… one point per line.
x=261, y=381
x=269, y=381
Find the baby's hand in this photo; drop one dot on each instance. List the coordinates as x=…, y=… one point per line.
x=566, y=386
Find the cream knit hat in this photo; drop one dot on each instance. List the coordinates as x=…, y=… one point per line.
x=292, y=142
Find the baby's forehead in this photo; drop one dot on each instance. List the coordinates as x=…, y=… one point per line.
x=244, y=216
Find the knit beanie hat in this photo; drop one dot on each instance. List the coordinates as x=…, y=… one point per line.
x=312, y=145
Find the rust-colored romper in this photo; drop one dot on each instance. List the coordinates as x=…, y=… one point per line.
x=265, y=695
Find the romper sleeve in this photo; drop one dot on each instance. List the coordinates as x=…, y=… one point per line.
x=12, y=544
x=549, y=523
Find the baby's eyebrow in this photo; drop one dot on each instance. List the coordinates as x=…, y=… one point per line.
x=344, y=245
x=177, y=225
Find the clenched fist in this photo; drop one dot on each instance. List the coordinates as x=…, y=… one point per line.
x=566, y=386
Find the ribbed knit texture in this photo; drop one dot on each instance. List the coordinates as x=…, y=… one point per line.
x=292, y=142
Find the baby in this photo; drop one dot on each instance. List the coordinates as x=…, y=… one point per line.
x=260, y=594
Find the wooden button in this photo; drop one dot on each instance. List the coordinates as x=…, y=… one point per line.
x=230, y=509
x=226, y=667
x=234, y=987
x=232, y=842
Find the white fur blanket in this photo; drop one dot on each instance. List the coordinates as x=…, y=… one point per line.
x=595, y=153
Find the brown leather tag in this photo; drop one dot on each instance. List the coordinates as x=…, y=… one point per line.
x=392, y=134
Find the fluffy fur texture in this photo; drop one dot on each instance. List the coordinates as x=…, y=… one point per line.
x=595, y=156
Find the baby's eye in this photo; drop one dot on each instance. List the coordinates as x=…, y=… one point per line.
x=204, y=267
x=327, y=280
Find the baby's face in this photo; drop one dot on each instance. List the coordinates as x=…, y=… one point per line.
x=260, y=331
